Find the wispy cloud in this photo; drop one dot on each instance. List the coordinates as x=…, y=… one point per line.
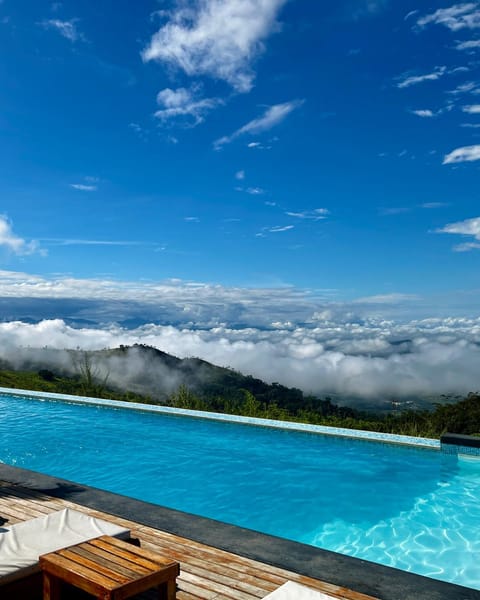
x=394, y=210
x=12, y=242
x=433, y=205
x=410, y=14
x=184, y=103
x=67, y=29
x=394, y=298
x=258, y=146
x=465, y=88
x=218, y=38
x=407, y=80
x=423, y=113
x=464, y=154
x=465, y=15
x=240, y=175
x=317, y=214
x=469, y=227
x=82, y=187
x=280, y=228
x=472, y=109
x=85, y=242
x=253, y=191
x=359, y=9
x=468, y=45
x=271, y=117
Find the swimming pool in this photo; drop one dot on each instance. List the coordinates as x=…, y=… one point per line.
x=407, y=507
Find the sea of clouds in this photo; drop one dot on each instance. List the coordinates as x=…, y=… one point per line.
x=368, y=348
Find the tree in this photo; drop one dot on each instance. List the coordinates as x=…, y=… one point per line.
x=92, y=382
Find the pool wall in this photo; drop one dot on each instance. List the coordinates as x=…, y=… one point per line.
x=466, y=445
x=198, y=414
x=363, y=576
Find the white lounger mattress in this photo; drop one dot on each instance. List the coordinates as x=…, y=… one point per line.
x=23, y=543
x=295, y=591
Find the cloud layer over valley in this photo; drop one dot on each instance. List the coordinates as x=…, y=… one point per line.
x=373, y=348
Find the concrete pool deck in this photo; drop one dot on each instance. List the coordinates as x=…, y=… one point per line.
x=336, y=572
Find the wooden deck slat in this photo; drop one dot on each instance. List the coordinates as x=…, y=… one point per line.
x=206, y=573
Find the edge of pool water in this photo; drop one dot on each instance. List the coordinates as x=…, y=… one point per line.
x=370, y=578
x=373, y=436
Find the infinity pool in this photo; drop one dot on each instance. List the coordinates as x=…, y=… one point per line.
x=411, y=508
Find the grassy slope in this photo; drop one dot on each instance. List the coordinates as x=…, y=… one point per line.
x=28, y=380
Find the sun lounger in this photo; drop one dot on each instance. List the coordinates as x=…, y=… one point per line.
x=295, y=591
x=23, y=543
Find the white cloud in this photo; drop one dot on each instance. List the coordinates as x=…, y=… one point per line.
x=12, y=242
x=470, y=125
x=465, y=15
x=83, y=187
x=472, y=109
x=465, y=88
x=218, y=38
x=271, y=117
x=184, y=103
x=67, y=29
x=280, y=228
x=406, y=80
x=467, y=246
x=467, y=227
x=423, y=113
x=255, y=191
x=240, y=175
x=464, y=154
x=316, y=214
x=468, y=45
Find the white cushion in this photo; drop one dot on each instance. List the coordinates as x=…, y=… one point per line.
x=295, y=591
x=23, y=543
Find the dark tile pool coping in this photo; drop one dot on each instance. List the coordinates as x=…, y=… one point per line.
x=359, y=575
x=455, y=443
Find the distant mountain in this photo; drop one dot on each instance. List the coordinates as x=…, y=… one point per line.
x=149, y=372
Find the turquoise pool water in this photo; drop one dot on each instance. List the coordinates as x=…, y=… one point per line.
x=411, y=508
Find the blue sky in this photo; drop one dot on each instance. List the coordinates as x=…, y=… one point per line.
x=284, y=143
x=240, y=162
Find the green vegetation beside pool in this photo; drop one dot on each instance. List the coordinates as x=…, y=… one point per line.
x=47, y=381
